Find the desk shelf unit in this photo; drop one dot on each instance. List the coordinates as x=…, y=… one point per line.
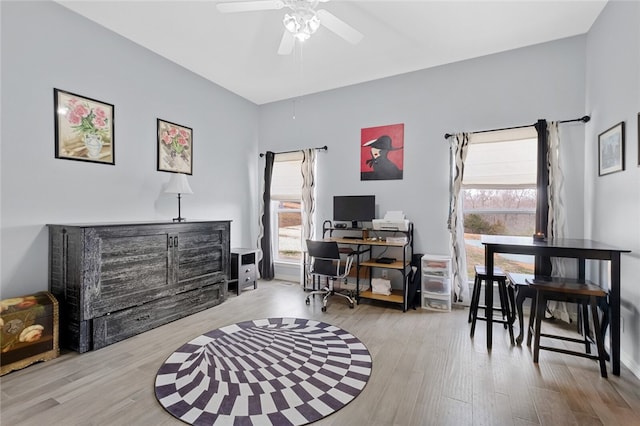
x=436, y=282
x=365, y=248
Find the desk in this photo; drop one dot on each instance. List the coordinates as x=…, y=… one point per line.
x=570, y=248
x=364, y=246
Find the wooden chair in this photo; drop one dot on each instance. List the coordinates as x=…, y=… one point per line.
x=325, y=262
x=522, y=291
x=582, y=292
x=507, y=303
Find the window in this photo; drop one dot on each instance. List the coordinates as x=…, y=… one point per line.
x=499, y=193
x=286, y=194
x=289, y=235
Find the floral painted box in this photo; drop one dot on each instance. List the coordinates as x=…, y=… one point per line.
x=29, y=330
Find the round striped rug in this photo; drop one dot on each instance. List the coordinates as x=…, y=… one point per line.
x=275, y=371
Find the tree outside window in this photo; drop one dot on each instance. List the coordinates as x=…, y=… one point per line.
x=498, y=212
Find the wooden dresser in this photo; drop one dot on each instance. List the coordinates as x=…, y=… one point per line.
x=114, y=281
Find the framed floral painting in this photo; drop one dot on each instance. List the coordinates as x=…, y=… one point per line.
x=175, y=148
x=83, y=128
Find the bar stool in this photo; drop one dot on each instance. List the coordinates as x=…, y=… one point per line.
x=507, y=303
x=582, y=292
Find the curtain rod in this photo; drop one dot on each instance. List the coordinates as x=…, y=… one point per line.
x=320, y=148
x=584, y=119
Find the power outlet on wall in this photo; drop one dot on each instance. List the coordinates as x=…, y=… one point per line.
x=384, y=274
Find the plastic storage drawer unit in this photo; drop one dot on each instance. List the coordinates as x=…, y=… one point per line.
x=436, y=304
x=436, y=282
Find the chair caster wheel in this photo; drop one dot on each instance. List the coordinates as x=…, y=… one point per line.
x=351, y=305
x=324, y=309
x=307, y=301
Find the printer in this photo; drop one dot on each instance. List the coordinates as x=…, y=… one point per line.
x=392, y=221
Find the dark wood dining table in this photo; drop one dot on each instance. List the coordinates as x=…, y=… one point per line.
x=578, y=249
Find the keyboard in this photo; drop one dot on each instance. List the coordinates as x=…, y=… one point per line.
x=386, y=260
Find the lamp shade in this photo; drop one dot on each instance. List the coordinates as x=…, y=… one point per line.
x=178, y=184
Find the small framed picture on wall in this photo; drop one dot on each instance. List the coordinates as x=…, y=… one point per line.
x=175, y=148
x=611, y=150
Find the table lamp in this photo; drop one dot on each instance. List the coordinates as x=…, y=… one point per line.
x=178, y=184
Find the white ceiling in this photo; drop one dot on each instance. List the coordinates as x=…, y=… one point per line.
x=239, y=51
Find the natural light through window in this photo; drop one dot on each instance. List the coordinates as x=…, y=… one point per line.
x=286, y=196
x=289, y=242
x=499, y=193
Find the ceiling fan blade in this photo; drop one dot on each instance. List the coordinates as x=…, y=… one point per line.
x=287, y=43
x=249, y=6
x=339, y=27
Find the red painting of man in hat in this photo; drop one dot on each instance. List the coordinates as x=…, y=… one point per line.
x=381, y=155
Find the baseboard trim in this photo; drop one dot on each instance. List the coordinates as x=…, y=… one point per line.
x=630, y=363
x=287, y=271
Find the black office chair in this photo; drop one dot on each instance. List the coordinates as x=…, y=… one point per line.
x=325, y=262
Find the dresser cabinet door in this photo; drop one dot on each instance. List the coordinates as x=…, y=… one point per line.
x=132, y=267
x=202, y=252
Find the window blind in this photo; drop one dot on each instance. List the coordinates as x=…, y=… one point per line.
x=286, y=180
x=504, y=159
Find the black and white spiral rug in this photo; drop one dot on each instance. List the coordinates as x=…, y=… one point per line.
x=275, y=371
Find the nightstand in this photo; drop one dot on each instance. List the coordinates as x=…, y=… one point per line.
x=244, y=268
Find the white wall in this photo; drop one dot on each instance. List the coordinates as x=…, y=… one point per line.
x=44, y=45
x=508, y=89
x=612, y=202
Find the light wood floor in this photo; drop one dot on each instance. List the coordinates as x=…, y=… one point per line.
x=426, y=371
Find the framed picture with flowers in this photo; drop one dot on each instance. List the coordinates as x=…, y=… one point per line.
x=175, y=148
x=83, y=128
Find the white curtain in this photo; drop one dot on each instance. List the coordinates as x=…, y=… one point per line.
x=459, y=144
x=308, y=202
x=557, y=223
x=308, y=193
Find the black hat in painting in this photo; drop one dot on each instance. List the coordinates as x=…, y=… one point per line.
x=383, y=142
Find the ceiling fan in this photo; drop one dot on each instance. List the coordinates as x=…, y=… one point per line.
x=300, y=23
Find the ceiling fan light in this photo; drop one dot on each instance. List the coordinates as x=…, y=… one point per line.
x=301, y=23
x=291, y=23
x=313, y=24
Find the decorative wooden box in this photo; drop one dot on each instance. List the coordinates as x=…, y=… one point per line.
x=29, y=330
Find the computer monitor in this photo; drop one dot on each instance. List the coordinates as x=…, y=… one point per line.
x=354, y=208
